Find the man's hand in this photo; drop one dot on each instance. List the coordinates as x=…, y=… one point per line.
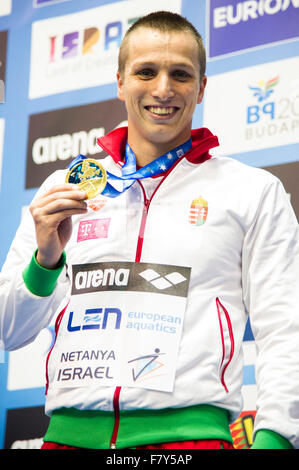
x=52, y=214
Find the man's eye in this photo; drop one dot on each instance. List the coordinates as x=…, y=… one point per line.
x=145, y=73
x=181, y=74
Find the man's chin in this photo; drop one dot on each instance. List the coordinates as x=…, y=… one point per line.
x=167, y=135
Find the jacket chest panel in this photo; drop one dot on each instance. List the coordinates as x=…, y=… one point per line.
x=105, y=234
x=194, y=231
x=190, y=221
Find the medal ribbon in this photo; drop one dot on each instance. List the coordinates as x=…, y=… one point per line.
x=129, y=172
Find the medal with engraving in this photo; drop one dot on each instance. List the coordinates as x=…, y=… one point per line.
x=89, y=174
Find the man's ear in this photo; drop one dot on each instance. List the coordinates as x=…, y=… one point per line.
x=202, y=89
x=120, y=87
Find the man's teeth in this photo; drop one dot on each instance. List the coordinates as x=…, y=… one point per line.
x=158, y=110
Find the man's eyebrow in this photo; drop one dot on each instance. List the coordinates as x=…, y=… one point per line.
x=143, y=63
x=154, y=64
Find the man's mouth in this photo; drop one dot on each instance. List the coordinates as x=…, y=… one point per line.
x=162, y=110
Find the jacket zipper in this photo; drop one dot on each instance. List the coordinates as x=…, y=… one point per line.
x=142, y=227
x=117, y=390
x=146, y=204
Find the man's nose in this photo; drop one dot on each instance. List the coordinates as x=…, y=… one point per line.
x=163, y=87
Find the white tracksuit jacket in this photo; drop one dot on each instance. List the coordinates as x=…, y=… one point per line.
x=241, y=243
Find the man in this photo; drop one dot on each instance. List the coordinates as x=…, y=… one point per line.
x=152, y=292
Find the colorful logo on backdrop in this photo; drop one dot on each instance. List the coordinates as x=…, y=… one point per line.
x=263, y=106
x=82, y=42
x=272, y=113
x=264, y=88
x=80, y=50
x=231, y=23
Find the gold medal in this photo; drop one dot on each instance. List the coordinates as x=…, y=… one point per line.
x=90, y=176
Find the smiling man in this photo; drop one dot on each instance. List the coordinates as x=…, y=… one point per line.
x=161, y=83
x=151, y=309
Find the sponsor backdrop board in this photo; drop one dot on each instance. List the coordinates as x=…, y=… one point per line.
x=56, y=137
x=65, y=97
x=236, y=26
x=263, y=103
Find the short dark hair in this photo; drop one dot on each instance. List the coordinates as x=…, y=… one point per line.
x=164, y=21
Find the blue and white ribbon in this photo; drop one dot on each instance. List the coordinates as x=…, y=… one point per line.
x=129, y=172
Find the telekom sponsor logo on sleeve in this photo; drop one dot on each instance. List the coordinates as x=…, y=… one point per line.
x=234, y=26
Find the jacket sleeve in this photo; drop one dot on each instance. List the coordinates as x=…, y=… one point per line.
x=29, y=294
x=270, y=276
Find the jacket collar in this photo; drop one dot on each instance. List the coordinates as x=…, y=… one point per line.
x=114, y=143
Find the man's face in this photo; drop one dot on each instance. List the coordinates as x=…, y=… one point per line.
x=161, y=86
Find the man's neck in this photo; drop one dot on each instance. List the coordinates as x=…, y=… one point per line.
x=146, y=151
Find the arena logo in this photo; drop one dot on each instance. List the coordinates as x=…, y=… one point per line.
x=65, y=146
x=57, y=137
x=120, y=277
x=251, y=9
x=128, y=276
x=98, y=277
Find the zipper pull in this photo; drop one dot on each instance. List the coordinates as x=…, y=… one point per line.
x=146, y=205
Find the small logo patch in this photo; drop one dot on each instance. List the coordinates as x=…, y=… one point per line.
x=145, y=366
x=198, y=211
x=96, y=204
x=92, y=229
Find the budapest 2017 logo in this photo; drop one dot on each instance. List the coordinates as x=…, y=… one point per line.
x=264, y=89
x=274, y=118
x=262, y=92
